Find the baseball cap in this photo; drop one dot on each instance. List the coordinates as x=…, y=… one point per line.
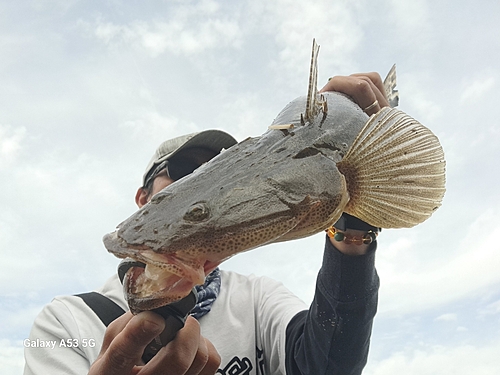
x=214, y=140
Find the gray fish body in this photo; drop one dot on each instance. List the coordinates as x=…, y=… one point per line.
x=387, y=170
x=322, y=156
x=280, y=186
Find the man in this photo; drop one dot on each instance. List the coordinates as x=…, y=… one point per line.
x=248, y=325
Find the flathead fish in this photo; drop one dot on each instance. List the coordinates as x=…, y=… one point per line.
x=321, y=156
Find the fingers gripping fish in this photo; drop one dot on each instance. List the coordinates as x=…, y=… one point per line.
x=321, y=156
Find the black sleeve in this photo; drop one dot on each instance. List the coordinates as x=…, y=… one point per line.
x=333, y=336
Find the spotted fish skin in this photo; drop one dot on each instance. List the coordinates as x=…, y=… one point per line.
x=280, y=186
x=254, y=193
x=283, y=185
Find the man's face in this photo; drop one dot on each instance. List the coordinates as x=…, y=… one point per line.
x=160, y=182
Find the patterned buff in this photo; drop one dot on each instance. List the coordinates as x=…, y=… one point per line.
x=207, y=293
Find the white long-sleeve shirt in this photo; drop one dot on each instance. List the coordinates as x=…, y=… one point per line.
x=256, y=324
x=72, y=333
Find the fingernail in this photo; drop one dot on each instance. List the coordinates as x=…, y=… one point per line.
x=151, y=326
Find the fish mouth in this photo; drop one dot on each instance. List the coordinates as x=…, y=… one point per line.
x=163, y=279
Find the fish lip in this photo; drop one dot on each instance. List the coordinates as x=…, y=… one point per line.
x=176, y=274
x=179, y=288
x=178, y=264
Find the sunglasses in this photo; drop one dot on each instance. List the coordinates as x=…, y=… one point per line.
x=175, y=169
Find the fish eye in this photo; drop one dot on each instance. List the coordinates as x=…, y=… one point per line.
x=197, y=212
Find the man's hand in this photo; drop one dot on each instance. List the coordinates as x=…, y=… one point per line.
x=363, y=88
x=126, y=338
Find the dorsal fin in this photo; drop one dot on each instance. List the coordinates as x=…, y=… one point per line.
x=312, y=104
x=389, y=85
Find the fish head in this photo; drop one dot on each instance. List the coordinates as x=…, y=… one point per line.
x=194, y=224
x=179, y=250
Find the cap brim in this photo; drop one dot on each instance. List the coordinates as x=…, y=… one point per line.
x=214, y=140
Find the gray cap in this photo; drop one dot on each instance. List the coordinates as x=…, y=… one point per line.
x=215, y=140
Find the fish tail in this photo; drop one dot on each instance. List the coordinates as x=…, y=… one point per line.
x=395, y=171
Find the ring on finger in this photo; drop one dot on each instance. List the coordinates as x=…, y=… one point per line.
x=371, y=106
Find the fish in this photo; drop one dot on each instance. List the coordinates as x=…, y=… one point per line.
x=321, y=156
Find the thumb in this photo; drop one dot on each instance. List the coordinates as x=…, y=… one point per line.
x=127, y=347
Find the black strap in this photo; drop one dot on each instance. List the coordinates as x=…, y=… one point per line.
x=347, y=221
x=104, y=308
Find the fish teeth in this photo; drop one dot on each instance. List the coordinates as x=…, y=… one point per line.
x=152, y=272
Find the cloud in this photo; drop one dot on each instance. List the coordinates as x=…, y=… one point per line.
x=410, y=21
x=12, y=48
x=491, y=309
x=448, y=317
x=46, y=225
x=11, y=357
x=417, y=97
x=10, y=143
x=475, y=90
x=293, y=25
x=456, y=360
x=414, y=282
x=248, y=114
x=18, y=315
x=153, y=125
x=189, y=30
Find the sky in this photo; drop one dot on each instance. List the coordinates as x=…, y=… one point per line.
x=88, y=89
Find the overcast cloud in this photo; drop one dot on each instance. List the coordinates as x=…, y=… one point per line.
x=88, y=89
